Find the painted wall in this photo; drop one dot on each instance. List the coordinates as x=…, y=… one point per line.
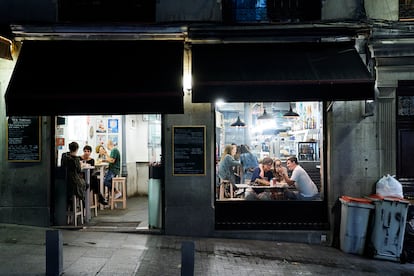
x=189, y=199
x=24, y=187
x=382, y=9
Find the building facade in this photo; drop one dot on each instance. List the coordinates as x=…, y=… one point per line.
x=76, y=42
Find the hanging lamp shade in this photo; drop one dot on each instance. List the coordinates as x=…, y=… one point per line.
x=290, y=113
x=265, y=115
x=238, y=123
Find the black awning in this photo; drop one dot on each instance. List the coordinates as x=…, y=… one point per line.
x=279, y=72
x=96, y=77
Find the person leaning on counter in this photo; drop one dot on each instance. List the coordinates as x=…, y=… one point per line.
x=306, y=189
x=265, y=169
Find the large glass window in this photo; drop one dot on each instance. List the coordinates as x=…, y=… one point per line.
x=265, y=130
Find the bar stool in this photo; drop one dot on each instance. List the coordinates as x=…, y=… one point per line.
x=120, y=184
x=223, y=185
x=75, y=211
x=93, y=202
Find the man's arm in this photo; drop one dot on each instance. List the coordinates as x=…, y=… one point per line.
x=287, y=179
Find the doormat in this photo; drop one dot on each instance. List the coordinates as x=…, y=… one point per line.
x=118, y=223
x=113, y=226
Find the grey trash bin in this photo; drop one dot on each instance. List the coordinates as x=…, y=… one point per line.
x=388, y=227
x=355, y=214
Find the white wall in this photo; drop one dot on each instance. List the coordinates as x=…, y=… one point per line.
x=136, y=134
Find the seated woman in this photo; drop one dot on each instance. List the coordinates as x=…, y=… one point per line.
x=94, y=178
x=279, y=170
x=226, y=170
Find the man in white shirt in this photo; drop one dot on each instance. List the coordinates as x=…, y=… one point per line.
x=306, y=189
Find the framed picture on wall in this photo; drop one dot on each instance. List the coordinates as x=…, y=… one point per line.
x=112, y=125
x=101, y=126
x=101, y=139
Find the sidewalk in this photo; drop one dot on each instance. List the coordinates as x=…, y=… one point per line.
x=23, y=252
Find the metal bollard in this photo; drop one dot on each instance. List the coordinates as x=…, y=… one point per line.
x=187, y=258
x=54, y=257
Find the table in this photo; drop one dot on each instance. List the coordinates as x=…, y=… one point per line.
x=87, y=172
x=102, y=166
x=279, y=187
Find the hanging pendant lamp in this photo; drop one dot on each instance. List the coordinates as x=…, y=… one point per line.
x=238, y=123
x=265, y=115
x=290, y=113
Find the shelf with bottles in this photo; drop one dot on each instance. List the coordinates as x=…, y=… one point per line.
x=308, y=151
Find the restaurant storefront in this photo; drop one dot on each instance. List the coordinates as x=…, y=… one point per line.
x=88, y=91
x=267, y=75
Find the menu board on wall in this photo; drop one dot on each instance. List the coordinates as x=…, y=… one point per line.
x=189, y=150
x=23, y=139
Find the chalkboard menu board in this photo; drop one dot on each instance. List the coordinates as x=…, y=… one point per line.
x=189, y=150
x=23, y=139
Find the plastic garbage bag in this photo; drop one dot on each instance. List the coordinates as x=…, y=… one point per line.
x=389, y=186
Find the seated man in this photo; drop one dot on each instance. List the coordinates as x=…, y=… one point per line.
x=306, y=189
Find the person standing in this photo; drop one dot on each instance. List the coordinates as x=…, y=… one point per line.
x=249, y=162
x=75, y=184
x=114, y=168
x=306, y=189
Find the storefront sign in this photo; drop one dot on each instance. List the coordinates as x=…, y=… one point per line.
x=189, y=150
x=23, y=139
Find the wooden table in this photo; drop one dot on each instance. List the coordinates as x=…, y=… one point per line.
x=102, y=166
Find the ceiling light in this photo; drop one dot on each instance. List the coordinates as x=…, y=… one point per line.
x=238, y=123
x=265, y=115
x=290, y=113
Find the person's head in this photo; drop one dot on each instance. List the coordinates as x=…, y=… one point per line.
x=73, y=147
x=267, y=163
x=110, y=144
x=87, y=150
x=291, y=162
x=229, y=149
x=278, y=163
x=234, y=146
x=244, y=149
x=98, y=148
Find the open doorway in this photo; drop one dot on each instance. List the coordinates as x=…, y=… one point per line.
x=138, y=139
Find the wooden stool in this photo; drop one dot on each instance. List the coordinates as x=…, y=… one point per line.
x=120, y=184
x=75, y=211
x=93, y=202
x=223, y=185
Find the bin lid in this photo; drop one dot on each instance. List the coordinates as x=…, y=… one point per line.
x=356, y=199
x=377, y=197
